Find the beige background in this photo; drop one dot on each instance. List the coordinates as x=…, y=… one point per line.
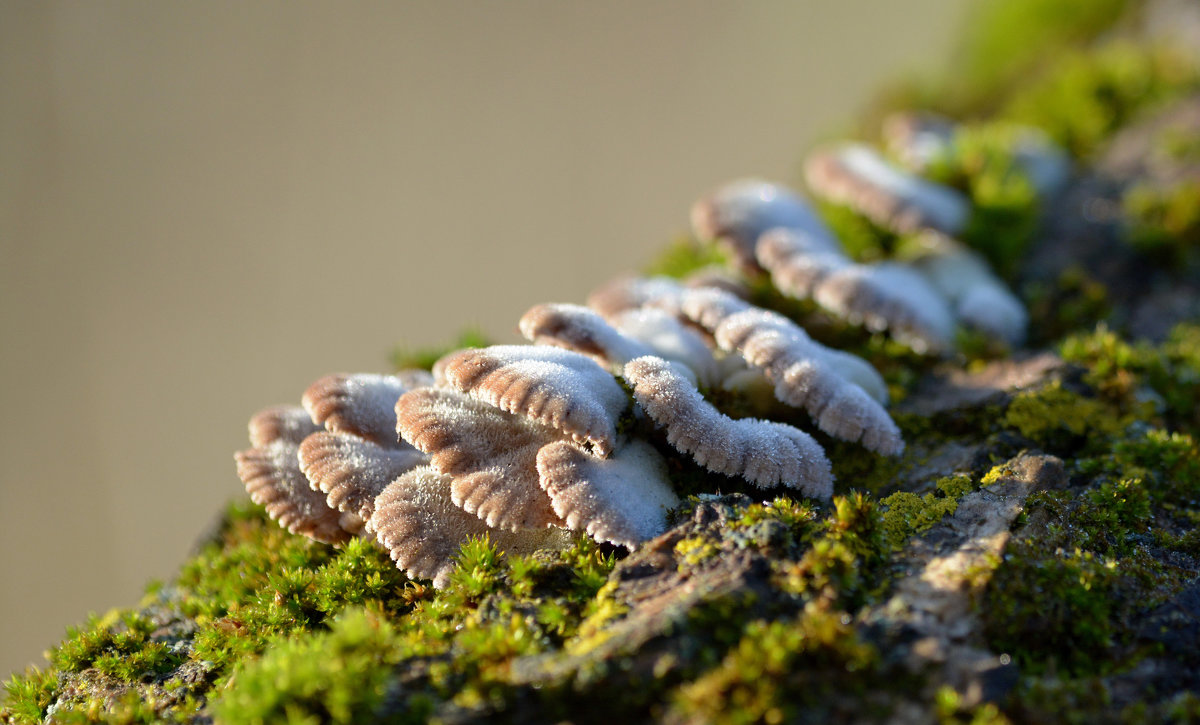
x=203, y=207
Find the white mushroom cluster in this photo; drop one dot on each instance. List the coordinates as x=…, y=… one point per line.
x=528, y=443
x=920, y=301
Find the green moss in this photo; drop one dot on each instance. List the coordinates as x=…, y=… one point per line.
x=1088, y=95
x=1054, y=610
x=779, y=669
x=1119, y=369
x=1164, y=222
x=338, y=676
x=1073, y=302
x=405, y=358
x=1006, y=40
x=982, y=162
x=908, y=514
x=28, y=695
x=1054, y=417
x=693, y=551
x=686, y=255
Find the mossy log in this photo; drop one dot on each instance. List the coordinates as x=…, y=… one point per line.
x=1033, y=556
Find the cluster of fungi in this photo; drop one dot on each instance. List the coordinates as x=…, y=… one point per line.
x=529, y=443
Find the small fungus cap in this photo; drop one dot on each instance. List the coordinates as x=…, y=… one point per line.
x=763, y=452
x=565, y=390
x=738, y=213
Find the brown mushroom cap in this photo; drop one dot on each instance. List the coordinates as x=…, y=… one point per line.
x=582, y=330
x=628, y=292
x=738, y=213
x=763, y=452
x=859, y=177
x=880, y=296
x=491, y=455
x=558, y=388
x=623, y=499
x=363, y=404
x=352, y=471
x=803, y=377
x=282, y=422
x=423, y=530
x=272, y=476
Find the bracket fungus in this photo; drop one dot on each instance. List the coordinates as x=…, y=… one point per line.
x=528, y=443
x=920, y=302
x=860, y=177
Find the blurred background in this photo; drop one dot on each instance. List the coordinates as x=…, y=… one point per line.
x=204, y=207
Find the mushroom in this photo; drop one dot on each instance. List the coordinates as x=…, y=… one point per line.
x=362, y=404
x=582, y=330
x=623, y=499
x=919, y=140
x=633, y=333
x=562, y=389
x=352, y=471
x=840, y=391
x=416, y=520
x=489, y=454
x=881, y=296
x=737, y=214
x=980, y=299
x=763, y=452
x=858, y=176
x=272, y=476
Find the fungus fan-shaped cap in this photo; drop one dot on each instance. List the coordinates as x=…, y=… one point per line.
x=804, y=375
x=281, y=422
x=623, y=499
x=892, y=297
x=667, y=337
x=738, y=213
x=352, y=471
x=980, y=299
x=272, y=476
x=858, y=176
x=422, y=529
x=719, y=277
x=582, y=330
x=558, y=388
x=919, y=139
x=363, y=404
x=763, y=452
x=797, y=267
x=629, y=292
x=490, y=455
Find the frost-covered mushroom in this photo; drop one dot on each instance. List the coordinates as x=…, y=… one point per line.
x=763, y=452
x=327, y=461
x=737, y=214
x=840, y=391
x=980, y=299
x=352, y=471
x=489, y=454
x=858, y=176
x=920, y=140
x=272, y=476
x=583, y=330
x=565, y=390
x=630, y=292
x=362, y=404
x=880, y=296
x=623, y=499
x=416, y=520
x=632, y=333
x=668, y=337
